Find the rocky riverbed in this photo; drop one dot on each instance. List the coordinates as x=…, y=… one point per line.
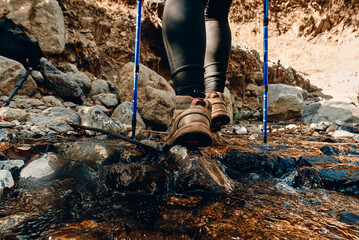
x=302, y=184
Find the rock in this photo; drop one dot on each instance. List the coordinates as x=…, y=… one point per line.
x=253, y=130
x=240, y=130
x=4, y=135
x=356, y=138
x=55, y=118
x=6, y=180
x=341, y=177
x=95, y=117
x=329, y=150
x=44, y=21
x=51, y=101
x=11, y=73
x=60, y=83
x=155, y=95
x=99, y=86
x=5, y=124
x=349, y=218
x=331, y=111
x=91, y=152
x=42, y=131
x=285, y=103
x=240, y=163
x=9, y=114
x=310, y=160
x=109, y=100
x=309, y=110
x=37, y=76
x=229, y=103
x=25, y=102
x=191, y=171
x=130, y=178
x=41, y=168
x=11, y=165
x=81, y=78
x=342, y=134
x=123, y=113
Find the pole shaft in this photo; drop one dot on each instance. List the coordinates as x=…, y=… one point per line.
x=265, y=70
x=136, y=66
x=17, y=87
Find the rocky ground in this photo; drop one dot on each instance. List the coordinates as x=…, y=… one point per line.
x=66, y=171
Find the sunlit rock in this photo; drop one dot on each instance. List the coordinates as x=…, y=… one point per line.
x=6, y=180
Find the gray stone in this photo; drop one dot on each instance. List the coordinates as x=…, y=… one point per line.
x=229, y=103
x=311, y=160
x=42, y=19
x=5, y=124
x=95, y=117
x=331, y=111
x=60, y=83
x=9, y=114
x=37, y=76
x=11, y=73
x=81, y=78
x=42, y=131
x=107, y=99
x=240, y=130
x=349, y=218
x=342, y=134
x=6, y=180
x=11, y=165
x=51, y=101
x=41, y=168
x=25, y=133
x=155, y=95
x=4, y=135
x=55, y=117
x=285, y=103
x=254, y=130
x=124, y=114
x=25, y=102
x=99, y=86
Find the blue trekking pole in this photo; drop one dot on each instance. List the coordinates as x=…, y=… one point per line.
x=136, y=67
x=265, y=71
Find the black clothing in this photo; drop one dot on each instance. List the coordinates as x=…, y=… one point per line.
x=197, y=38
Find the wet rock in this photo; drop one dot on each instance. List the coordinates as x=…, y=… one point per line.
x=60, y=83
x=10, y=114
x=95, y=117
x=11, y=165
x=332, y=111
x=312, y=161
x=94, y=153
x=42, y=168
x=130, y=178
x=5, y=124
x=348, y=128
x=307, y=177
x=55, y=118
x=49, y=29
x=329, y=150
x=240, y=163
x=4, y=135
x=155, y=95
x=123, y=113
x=342, y=134
x=6, y=180
x=349, y=218
x=109, y=100
x=99, y=86
x=285, y=103
x=341, y=177
x=51, y=101
x=240, y=130
x=191, y=171
x=11, y=73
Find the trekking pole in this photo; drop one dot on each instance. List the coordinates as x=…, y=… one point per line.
x=136, y=67
x=265, y=70
x=17, y=87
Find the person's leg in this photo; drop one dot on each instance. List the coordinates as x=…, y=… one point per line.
x=218, y=36
x=218, y=44
x=184, y=37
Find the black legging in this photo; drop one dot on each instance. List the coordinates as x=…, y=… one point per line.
x=197, y=38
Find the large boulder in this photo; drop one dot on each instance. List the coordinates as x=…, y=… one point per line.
x=285, y=103
x=42, y=19
x=60, y=83
x=155, y=94
x=331, y=111
x=11, y=73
